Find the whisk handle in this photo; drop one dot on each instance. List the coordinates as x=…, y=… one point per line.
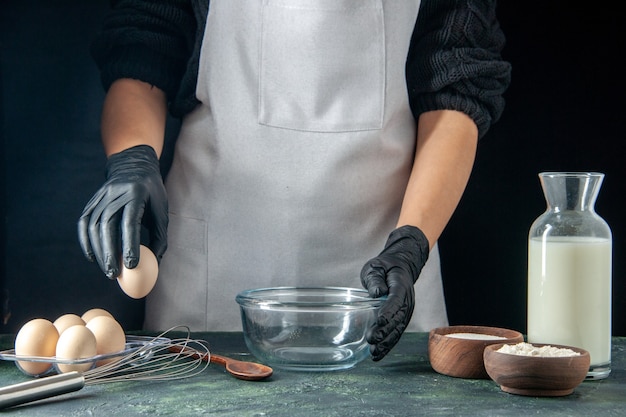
x=41, y=388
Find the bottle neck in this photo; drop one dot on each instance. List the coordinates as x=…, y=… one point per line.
x=571, y=191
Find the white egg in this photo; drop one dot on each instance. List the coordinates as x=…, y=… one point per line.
x=110, y=336
x=67, y=320
x=38, y=337
x=139, y=281
x=94, y=312
x=76, y=342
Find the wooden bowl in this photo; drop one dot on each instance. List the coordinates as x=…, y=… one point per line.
x=538, y=376
x=458, y=350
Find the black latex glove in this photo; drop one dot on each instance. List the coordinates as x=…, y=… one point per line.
x=132, y=195
x=393, y=273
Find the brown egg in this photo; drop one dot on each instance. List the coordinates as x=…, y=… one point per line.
x=110, y=336
x=76, y=342
x=139, y=281
x=94, y=312
x=38, y=337
x=67, y=320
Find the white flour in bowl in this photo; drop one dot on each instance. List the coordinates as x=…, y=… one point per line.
x=527, y=349
x=476, y=336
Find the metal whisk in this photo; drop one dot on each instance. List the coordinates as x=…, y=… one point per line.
x=161, y=359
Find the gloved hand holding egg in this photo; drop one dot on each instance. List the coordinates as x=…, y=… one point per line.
x=109, y=229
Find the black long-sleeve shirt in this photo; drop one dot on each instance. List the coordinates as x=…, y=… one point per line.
x=453, y=63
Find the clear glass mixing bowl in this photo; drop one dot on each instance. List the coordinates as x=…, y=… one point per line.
x=309, y=329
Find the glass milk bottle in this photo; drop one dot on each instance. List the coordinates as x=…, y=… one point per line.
x=569, y=270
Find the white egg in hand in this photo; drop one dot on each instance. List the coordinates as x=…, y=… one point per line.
x=139, y=281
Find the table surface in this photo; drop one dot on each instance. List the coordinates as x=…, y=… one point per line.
x=402, y=384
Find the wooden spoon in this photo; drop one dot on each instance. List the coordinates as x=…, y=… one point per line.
x=249, y=371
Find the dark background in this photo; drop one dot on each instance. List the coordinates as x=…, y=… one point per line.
x=564, y=112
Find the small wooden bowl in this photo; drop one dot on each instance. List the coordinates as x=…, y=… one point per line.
x=538, y=376
x=462, y=357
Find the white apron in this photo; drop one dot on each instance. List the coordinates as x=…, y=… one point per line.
x=292, y=170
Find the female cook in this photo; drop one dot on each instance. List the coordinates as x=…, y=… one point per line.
x=316, y=134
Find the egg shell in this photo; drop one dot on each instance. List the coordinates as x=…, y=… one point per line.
x=67, y=320
x=110, y=336
x=94, y=312
x=76, y=342
x=139, y=281
x=37, y=337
